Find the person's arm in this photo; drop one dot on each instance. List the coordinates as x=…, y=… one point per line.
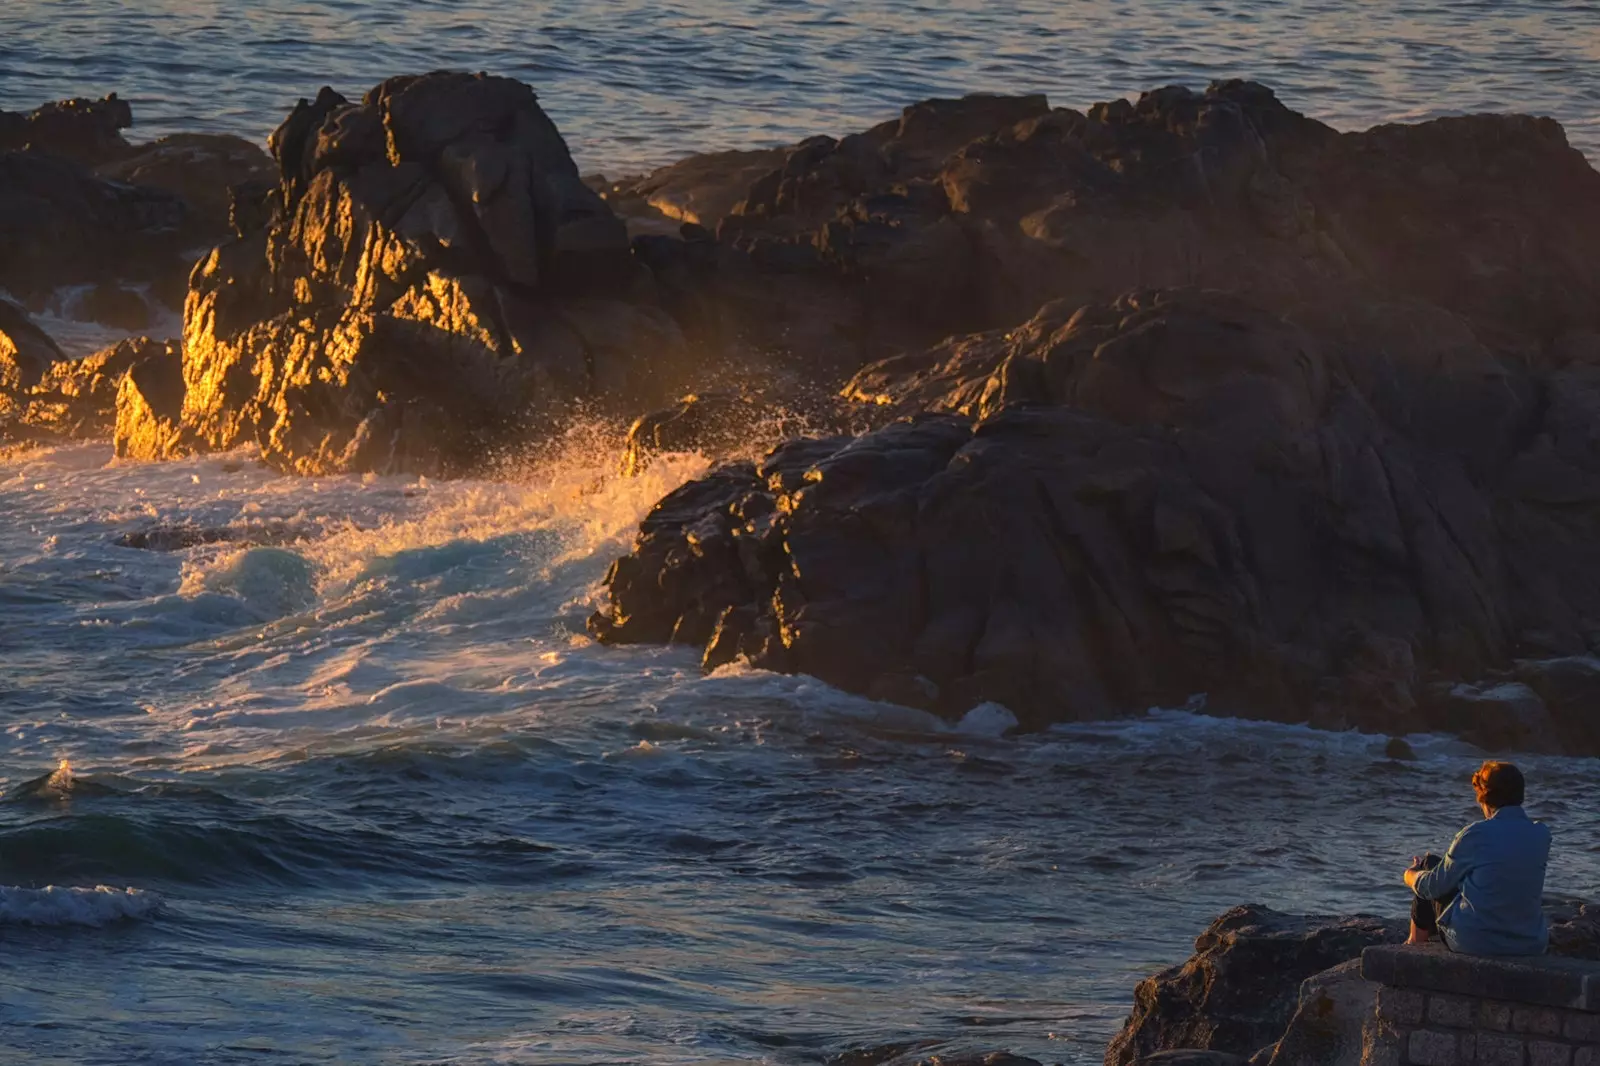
x=1442, y=881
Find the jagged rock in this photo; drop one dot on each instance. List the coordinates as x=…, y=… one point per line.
x=728, y=423
x=82, y=130
x=1574, y=928
x=1240, y=989
x=1570, y=688
x=77, y=398
x=1287, y=990
x=171, y=538
x=434, y=283
x=150, y=410
x=1121, y=505
x=969, y=214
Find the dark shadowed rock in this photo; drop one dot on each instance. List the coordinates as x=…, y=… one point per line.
x=61, y=225
x=1239, y=991
x=171, y=538
x=200, y=168
x=1329, y=1021
x=1121, y=505
x=969, y=214
x=82, y=130
x=1494, y=715
x=1192, y=1057
x=1287, y=990
x=26, y=352
x=434, y=282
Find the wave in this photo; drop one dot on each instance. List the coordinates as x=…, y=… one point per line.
x=55, y=906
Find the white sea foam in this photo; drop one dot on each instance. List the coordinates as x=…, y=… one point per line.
x=55, y=905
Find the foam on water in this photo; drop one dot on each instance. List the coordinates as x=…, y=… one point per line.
x=96, y=906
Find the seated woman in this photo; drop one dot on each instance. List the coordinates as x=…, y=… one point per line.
x=1485, y=897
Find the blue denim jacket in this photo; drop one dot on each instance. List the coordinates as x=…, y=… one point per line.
x=1495, y=869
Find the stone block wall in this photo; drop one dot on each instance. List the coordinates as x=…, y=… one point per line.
x=1438, y=1009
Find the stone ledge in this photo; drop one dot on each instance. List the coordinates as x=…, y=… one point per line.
x=1546, y=981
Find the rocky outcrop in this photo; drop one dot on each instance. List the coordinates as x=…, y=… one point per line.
x=77, y=398
x=1121, y=505
x=61, y=225
x=432, y=282
x=80, y=206
x=1240, y=989
x=82, y=130
x=1294, y=418
x=968, y=214
x=1287, y=990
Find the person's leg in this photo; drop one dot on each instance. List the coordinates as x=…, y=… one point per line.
x=1425, y=912
x=1424, y=920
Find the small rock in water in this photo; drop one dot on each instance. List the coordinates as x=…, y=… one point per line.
x=1398, y=749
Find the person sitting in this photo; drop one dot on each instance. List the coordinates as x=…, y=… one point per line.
x=1485, y=896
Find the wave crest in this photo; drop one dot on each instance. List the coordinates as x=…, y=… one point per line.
x=55, y=906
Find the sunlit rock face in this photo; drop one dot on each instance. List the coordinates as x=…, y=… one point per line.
x=429, y=281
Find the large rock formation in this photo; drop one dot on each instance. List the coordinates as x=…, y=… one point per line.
x=969, y=214
x=432, y=281
x=1177, y=492
x=81, y=206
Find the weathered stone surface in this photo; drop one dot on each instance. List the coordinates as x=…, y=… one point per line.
x=1329, y=1020
x=433, y=283
x=1238, y=992
x=77, y=398
x=1550, y=981
x=1116, y=506
x=149, y=411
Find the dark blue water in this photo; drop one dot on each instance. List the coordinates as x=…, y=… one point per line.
x=371, y=797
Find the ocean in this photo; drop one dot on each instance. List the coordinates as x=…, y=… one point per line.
x=365, y=793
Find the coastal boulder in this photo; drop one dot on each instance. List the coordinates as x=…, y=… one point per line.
x=1240, y=989
x=433, y=283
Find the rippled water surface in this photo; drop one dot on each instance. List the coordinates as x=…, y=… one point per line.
x=377, y=801
x=635, y=83
x=365, y=794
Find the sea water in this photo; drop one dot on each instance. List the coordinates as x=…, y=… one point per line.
x=355, y=787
